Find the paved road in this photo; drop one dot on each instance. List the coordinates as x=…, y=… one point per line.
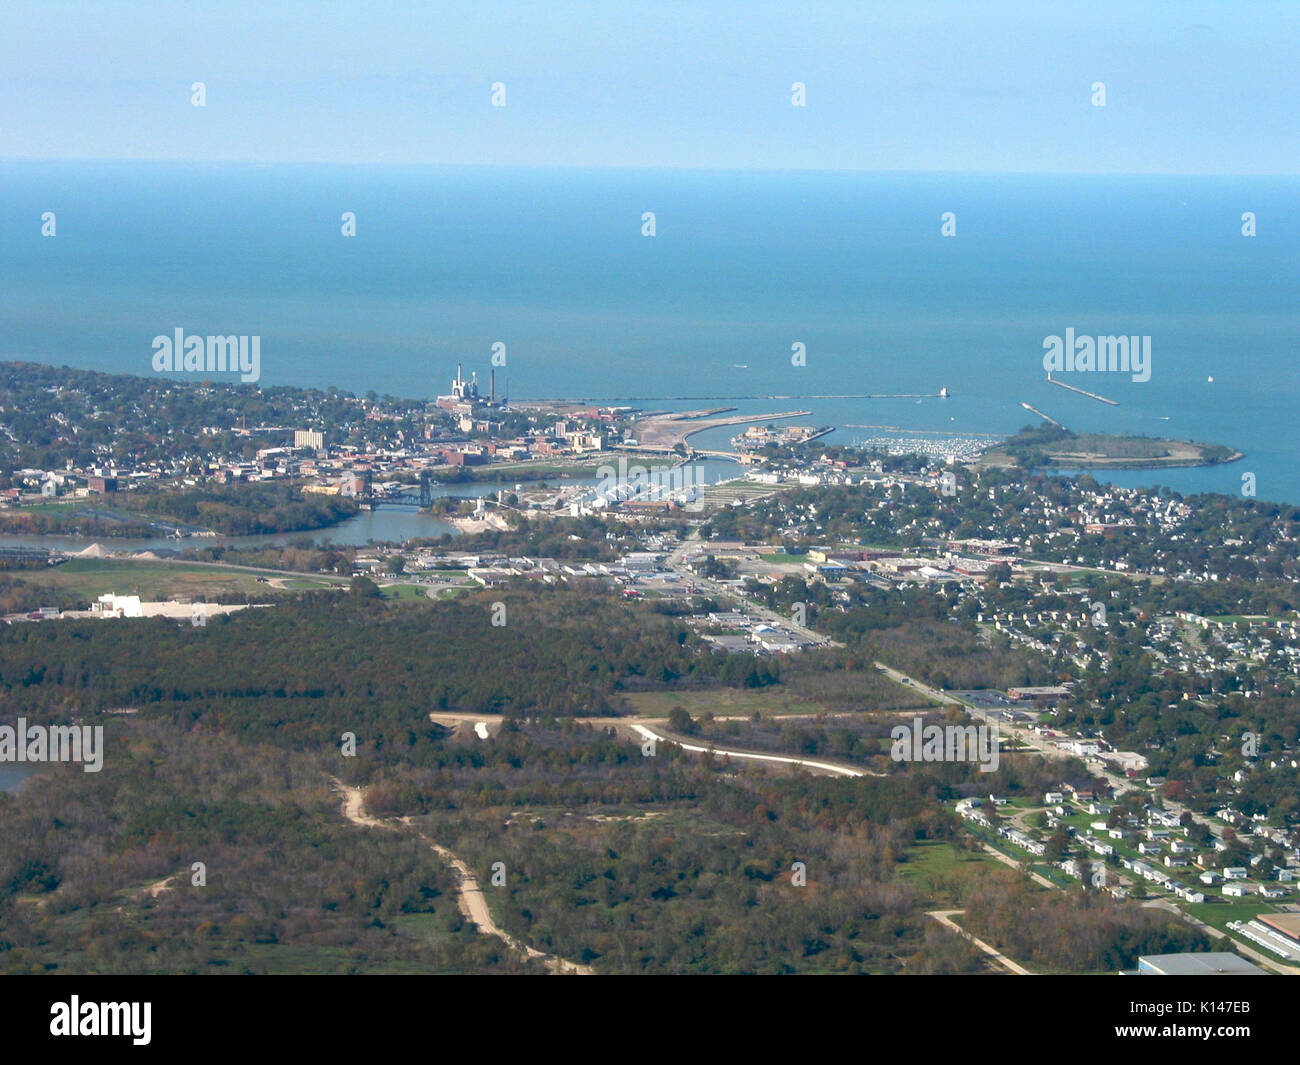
x=709, y=586
x=899, y=677
x=1006, y=859
x=834, y=768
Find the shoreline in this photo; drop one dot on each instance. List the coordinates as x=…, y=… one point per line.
x=1129, y=464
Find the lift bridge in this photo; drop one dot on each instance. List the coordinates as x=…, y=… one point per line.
x=421, y=498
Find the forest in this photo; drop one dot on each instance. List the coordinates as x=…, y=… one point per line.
x=221, y=742
x=244, y=509
x=97, y=870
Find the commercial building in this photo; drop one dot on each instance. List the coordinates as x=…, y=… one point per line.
x=1208, y=964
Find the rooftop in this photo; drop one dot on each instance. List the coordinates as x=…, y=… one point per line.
x=1208, y=964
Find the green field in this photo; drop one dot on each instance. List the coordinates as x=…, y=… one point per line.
x=1217, y=914
x=404, y=591
x=941, y=868
x=153, y=581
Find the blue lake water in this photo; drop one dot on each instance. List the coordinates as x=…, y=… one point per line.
x=552, y=263
x=13, y=774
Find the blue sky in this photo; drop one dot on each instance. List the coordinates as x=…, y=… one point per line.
x=1206, y=88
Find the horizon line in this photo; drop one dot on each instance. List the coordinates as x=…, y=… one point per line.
x=631, y=168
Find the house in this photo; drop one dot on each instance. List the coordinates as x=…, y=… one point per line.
x=1052, y=798
x=1175, y=860
x=1237, y=891
x=1209, y=878
x=1271, y=891
x=1234, y=872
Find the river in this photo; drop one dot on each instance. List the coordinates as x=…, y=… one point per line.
x=388, y=523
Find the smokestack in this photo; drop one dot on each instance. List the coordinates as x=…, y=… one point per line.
x=492, y=387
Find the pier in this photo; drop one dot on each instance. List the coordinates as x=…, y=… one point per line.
x=1035, y=410
x=1081, y=391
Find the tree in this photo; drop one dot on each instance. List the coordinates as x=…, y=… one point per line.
x=1057, y=844
x=681, y=722
x=365, y=588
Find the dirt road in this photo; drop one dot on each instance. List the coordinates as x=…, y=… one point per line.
x=944, y=917
x=469, y=895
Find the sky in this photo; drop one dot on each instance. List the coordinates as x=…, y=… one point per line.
x=910, y=85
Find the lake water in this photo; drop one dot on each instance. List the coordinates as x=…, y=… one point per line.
x=13, y=774
x=552, y=263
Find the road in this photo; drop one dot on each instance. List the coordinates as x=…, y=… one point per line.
x=474, y=906
x=944, y=917
x=637, y=729
x=469, y=895
x=676, y=560
x=834, y=768
x=899, y=677
x=1006, y=859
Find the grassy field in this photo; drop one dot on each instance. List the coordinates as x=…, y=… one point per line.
x=942, y=868
x=1217, y=914
x=43, y=508
x=404, y=591
x=149, y=580
x=299, y=584
x=455, y=590
x=722, y=702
